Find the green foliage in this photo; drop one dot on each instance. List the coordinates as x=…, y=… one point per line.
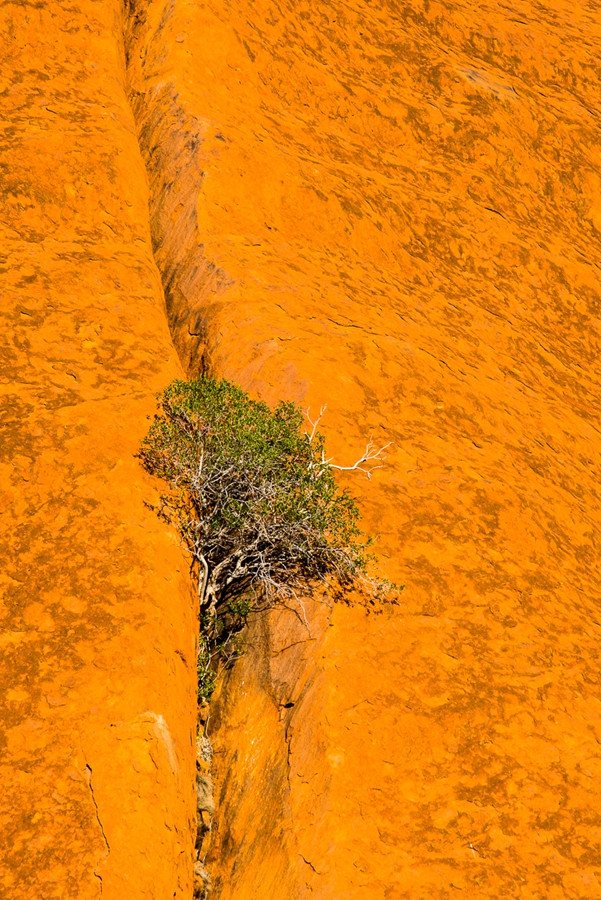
x=255, y=501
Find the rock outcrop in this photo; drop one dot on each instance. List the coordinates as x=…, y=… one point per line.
x=98, y=636
x=394, y=209
x=403, y=205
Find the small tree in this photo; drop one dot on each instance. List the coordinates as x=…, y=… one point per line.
x=255, y=501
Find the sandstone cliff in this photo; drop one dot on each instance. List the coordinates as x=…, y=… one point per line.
x=391, y=208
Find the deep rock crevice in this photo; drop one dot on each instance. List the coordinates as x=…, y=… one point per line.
x=170, y=142
x=170, y=138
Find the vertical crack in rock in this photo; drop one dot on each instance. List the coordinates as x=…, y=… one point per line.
x=88, y=777
x=288, y=743
x=205, y=805
x=170, y=139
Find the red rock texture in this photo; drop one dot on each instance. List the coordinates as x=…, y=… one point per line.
x=404, y=202
x=391, y=208
x=97, y=640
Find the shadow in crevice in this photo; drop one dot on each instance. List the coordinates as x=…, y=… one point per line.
x=171, y=144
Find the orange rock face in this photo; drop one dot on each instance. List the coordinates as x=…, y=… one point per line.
x=402, y=205
x=97, y=640
x=393, y=209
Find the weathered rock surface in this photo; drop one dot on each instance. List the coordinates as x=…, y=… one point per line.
x=97, y=639
x=391, y=208
x=405, y=203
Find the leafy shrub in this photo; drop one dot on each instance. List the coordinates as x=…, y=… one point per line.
x=255, y=501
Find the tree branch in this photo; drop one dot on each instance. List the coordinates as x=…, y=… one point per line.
x=369, y=454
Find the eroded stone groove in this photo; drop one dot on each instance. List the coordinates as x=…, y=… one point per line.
x=171, y=142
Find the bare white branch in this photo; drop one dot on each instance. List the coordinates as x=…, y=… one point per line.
x=314, y=423
x=370, y=454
